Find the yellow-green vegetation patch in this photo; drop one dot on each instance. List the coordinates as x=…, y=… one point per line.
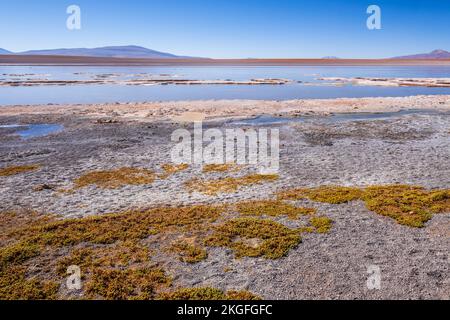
x=110, y=228
x=321, y=224
x=18, y=253
x=14, y=285
x=409, y=205
x=118, y=255
x=221, y=167
x=118, y=272
x=170, y=169
x=109, y=249
x=250, y=237
x=129, y=284
x=208, y=293
x=113, y=179
x=188, y=252
x=272, y=208
x=11, y=171
x=327, y=194
x=228, y=184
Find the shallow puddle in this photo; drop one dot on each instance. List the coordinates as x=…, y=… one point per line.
x=33, y=130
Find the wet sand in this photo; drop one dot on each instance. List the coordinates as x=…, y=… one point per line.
x=214, y=109
x=408, y=149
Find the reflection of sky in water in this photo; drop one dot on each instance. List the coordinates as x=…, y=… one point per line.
x=122, y=93
x=33, y=130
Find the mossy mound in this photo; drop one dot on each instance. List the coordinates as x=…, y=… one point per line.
x=228, y=184
x=127, y=226
x=272, y=208
x=188, y=252
x=170, y=169
x=112, y=257
x=327, y=194
x=129, y=284
x=113, y=179
x=15, y=285
x=408, y=205
x=220, y=167
x=321, y=224
x=250, y=237
x=189, y=294
x=14, y=170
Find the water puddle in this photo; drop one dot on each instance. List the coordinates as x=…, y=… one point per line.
x=338, y=117
x=33, y=130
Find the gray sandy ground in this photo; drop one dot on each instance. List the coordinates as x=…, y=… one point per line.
x=412, y=149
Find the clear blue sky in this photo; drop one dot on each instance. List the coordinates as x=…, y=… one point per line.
x=232, y=28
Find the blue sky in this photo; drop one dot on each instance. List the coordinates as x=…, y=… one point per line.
x=232, y=28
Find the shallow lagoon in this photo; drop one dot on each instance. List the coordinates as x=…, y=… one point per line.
x=314, y=89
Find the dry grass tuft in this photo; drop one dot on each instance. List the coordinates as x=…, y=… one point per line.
x=11, y=171
x=227, y=185
x=114, y=179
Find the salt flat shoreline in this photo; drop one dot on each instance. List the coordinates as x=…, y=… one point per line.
x=411, y=149
x=223, y=109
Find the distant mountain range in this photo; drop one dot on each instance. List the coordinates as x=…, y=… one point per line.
x=106, y=52
x=436, y=54
x=141, y=52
